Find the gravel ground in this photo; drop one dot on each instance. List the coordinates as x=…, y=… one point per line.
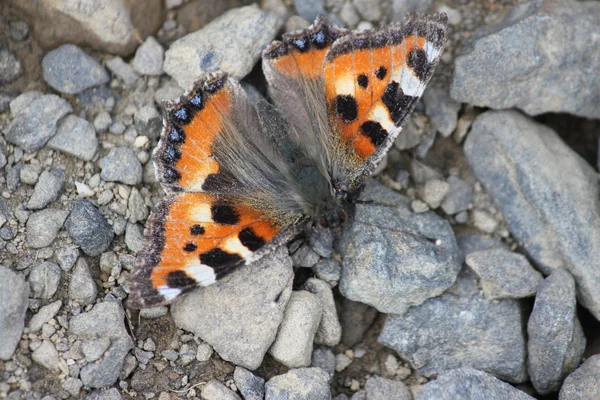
x=499, y=163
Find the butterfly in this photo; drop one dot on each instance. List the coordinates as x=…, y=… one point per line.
x=242, y=179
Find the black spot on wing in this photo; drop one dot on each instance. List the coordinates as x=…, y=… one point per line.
x=381, y=72
x=250, y=239
x=197, y=101
x=301, y=44
x=190, y=247
x=171, y=154
x=346, y=107
x=417, y=60
x=397, y=103
x=219, y=182
x=375, y=132
x=176, y=135
x=171, y=175
x=224, y=214
x=217, y=258
x=182, y=115
x=179, y=280
x=363, y=81
x=197, y=230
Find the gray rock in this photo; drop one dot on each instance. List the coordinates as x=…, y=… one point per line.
x=441, y=108
x=73, y=386
x=134, y=237
x=69, y=70
x=469, y=384
x=299, y=384
x=239, y=315
x=540, y=34
x=76, y=137
x=433, y=192
x=356, y=318
x=88, y=228
x=321, y=241
x=14, y=294
x=22, y=101
x=123, y=70
x=121, y=165
x=10, y=66
x=48, y=189
x=45, y=314
x=148, y=121
x=294, y=342
x=47, y=356
x=471, y=243
x=459, y=329
x=204, y=352
x=379, y=388
x=309, y=9
x=401, y=7
x=305, y=256
x=148, y=59
x=94, y=349
x=370, y=10
x=82, y=288
x=3, y=160
x=556, y=341
x=584, y=382
x=504, y=274
x=66, y=257
x=328, y=270
x=35, y=124
x=552, y=210
x=329, y=332
x=43, y=280
x=105, y=320
x=401, y=260
x=252, y=387
x=459, y=196
x=215, y=390
x=102, y=121
x=232, y=43
x=109, y=394
x=137, y=207
x=5, y=100
x=323, y=357
x=349, y=15
x=43, y=226
x=30, y=173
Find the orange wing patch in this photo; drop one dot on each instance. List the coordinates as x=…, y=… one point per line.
x=183, y=156
x=199, y=238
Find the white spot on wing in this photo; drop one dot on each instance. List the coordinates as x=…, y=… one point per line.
x=202, y=274
x=201, y=213
x=344, y=84
x=380, y=113
x=409, y=83
x=431, y=51
x=169, y=293
x=233, y=245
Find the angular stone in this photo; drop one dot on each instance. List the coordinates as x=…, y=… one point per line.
x=584, y=382
x=215, y=390
x=43, y=226
x=88, y=228
x=540, y=36
x=121, y=165
x=43, y=280
x=552, y=210
x=379, y=388
x=123, y=70
x=14, y=294
x=239, y=315
x=45, y=314
x=299, y=384
x=329, y=332
x=82, y=288
x=48, y=189
x=76, y=137
x=149, y=57
x=441, y=108
x=47, y=356
x=252, y=387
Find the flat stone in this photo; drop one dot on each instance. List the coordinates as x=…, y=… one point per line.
x=299, y=384
x=43, y=280
x=36, y=123
x=215, y=390
x=148, y=59
x=105, y=320
x=70, y=70
x=401, y=260
x=124, y=71
x=22, y=101
x=379, y=388
x=82, y=288
x=252, y=387
x=584, y=382
x=45, y=314
x=552, y=211
x=48, y=188
x=76, y=137
x=231, y=43
x=539, y=34
x=329, y=332
x=556, y=342
x=14, y=294
x=43, y=226
x=441, y=108
x=121, y=165
x=469, y=384
x=504, y=274
x=88, y=228
x=294, y=342
x=239, y=315
x=459, y=329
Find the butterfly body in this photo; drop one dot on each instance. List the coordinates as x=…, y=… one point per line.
x=244, y=179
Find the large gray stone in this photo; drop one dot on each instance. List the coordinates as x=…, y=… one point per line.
x=88, y=228
x=76, y=137
x=231, y=43
x=584, y=382
x=470, y=384
x=252, y=387
x=394, y=259
x=35, y=124
x=43, y=279
x=48, y=188
x=299, y=384
x=512, y=63
x=69, y=70
x=459, y=329
x=548, y=194
x=43, y=226
x=14, y=294
x=105, y=320
x=556, y=342
x=239, y=315
x=82, y=287
x=121, y=165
